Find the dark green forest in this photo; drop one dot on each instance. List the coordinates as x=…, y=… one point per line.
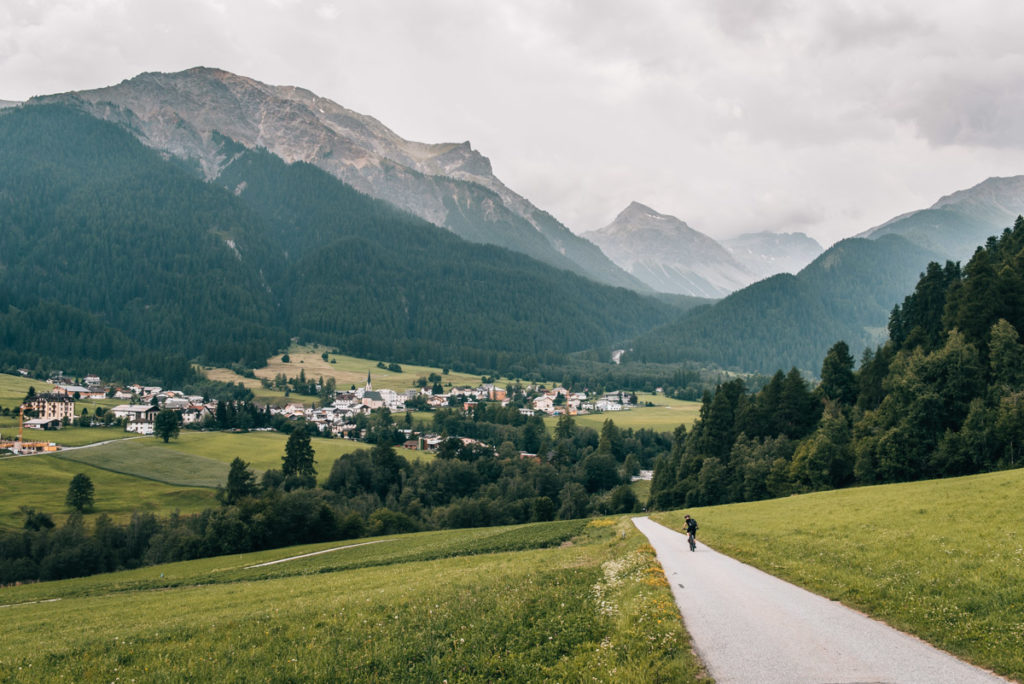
x=943, y=397
x=114, y=258
x=787, y=320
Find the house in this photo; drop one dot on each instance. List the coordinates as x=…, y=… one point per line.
x=140, y=417
x=43, y=423
x=496, y=393
x=92, y=381
x=544, y=404
x=52, y=405
x=72, y=390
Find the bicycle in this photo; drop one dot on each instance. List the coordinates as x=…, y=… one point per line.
x=692, y=539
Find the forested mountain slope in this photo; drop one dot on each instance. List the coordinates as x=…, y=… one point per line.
x=447, y=184
x=846, y=293
x=139, y=247
x=943, y=397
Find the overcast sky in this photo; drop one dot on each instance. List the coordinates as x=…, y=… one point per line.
x=734, y=115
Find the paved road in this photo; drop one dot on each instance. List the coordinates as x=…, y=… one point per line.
x=748, y=626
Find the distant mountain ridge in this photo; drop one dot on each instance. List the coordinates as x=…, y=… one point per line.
x=670, y=256
x=765, y=254
x=959, y=222
x=847, y=293
x=448, y=184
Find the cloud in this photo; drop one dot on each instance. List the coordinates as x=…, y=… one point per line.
x=734, y=115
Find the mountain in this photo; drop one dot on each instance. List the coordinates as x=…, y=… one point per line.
x=8, y=103
x=764, y=254
x=450, y=185
x=958, y=223
x=111, y=252
x=786, y=320
x=668, y=255
x=847, y=293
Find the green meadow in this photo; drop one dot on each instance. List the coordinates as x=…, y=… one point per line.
x=144, y=474
x=569, y=601
x=41, y=482
x=201, y=459
x=942, y=559
x=346, y=371
x=664, y=416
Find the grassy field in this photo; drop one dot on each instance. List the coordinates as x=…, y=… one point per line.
x=144, y=474
x=201, y=459
x=665, y=416
x=41, y=482
x=595, y=609
x=942, y=559
x=346, y=371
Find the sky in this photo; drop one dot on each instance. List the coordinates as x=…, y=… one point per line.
x=819, y=116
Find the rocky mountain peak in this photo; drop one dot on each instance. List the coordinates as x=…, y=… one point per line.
x=188, y=113
x=669, y=255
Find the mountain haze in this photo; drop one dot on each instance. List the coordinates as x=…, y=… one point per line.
x=764, y=254
x=959, y=222
x=449, y=184
x=668, y=255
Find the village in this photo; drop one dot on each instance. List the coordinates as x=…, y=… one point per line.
x=55, y=408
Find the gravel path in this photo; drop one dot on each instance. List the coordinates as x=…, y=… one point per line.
x=748, y=626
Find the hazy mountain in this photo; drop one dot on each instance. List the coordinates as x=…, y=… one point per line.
x=958, y=223
x=764, y=254
x=668, y=255
x=8, y=103
x=449, y=184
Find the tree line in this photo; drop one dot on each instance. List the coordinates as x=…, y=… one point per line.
x=943, y=397
x=570, y=472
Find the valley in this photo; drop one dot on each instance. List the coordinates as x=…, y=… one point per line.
x=318, y=337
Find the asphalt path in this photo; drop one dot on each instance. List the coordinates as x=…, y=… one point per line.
x=748, y=626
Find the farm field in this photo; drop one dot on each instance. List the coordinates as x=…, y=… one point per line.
x=346, y=371
x=942, y=559
x=201, y=459
x=526, y=608
x=41, y=481
x=665, y=416
x=144, y=474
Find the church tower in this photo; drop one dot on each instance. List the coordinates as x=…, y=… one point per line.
x=369, y=384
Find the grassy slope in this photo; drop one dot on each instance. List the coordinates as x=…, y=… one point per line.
x=598, y=609
x=942, y=559
x=665, y=416
x=346, y=371
x=145, y=474
x=41, y=482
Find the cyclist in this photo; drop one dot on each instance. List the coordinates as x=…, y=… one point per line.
x=691, y=530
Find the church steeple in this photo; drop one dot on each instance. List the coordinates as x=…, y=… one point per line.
x=369, y=384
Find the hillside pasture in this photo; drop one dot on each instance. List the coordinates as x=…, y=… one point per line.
x=201, y=459
x=41, y=482
x=346, y=371
x=665, y=416
x=598, y=608
x=942, y=559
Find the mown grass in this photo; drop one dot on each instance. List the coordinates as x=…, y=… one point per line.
x=942, y=559
x=201, y=459
x=665, y=416
x=598, y=609
x=346, y=371
x=41, y=482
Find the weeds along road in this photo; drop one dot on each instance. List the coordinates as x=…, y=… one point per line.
x=748, y=626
